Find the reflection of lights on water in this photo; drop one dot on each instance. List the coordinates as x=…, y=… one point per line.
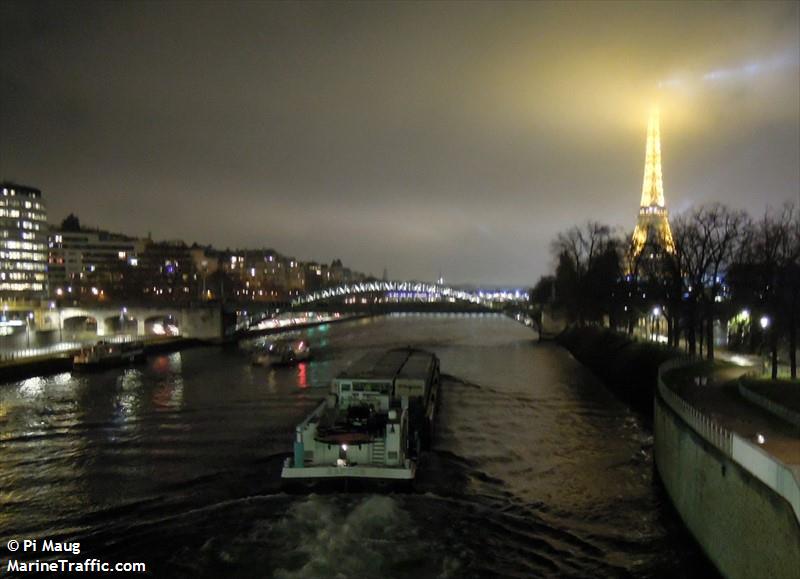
x=175, y=361
x=63, y=378
x=131, y=378
x=32, y=387
x=130, y=383
x=126, y=404
x=302, y=375
x=169, y=394
x=272, y=381
x=171, y=363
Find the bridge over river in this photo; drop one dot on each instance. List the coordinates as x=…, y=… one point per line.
x=44, y=327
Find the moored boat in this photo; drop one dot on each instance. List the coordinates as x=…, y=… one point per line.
x=282, y=352
x=108, y=354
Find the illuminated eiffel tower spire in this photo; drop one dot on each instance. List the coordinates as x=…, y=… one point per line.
x=653, y=224
x=653, y=187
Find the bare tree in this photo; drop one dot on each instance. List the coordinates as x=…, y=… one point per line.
x=692, y=239
x=580, y=252
x=727, y=233
x=767, y=272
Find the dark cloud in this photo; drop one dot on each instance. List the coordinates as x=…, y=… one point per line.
x=453, y=138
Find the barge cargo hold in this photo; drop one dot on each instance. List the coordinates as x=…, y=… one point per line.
x=375, y=423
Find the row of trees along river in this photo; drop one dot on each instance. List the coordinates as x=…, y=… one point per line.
x=726, y=266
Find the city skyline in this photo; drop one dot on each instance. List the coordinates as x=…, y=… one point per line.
x=447, y=139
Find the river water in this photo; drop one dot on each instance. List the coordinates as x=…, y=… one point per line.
x=536, y=469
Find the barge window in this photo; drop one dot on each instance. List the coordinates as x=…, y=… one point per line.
x=345, y=387
x=358, y=387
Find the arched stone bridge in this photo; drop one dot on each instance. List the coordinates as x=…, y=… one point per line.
x=203, y=323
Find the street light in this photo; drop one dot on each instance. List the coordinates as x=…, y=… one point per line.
x=60, y=334
x=122, y=320
x=764, y=321
x=204, y=263
x=28, y=328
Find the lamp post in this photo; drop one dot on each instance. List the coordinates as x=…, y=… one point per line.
x=28, y=328
x=656, y=322
x=765, y=322
x=204, y=295
x=122, y=324
x=60, y=333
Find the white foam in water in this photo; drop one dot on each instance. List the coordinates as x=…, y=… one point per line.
x=369, y=536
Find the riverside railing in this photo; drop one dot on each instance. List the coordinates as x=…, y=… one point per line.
x=67, y=347
x=24, y=353
x=749, y=456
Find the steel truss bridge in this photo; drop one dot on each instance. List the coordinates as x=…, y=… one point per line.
x=408, y=290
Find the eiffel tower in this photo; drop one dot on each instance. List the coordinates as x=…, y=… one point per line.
x=652, y=227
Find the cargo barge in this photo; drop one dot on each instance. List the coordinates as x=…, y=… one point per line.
x=374, y=424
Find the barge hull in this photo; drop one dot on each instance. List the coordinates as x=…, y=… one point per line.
x=351, y=472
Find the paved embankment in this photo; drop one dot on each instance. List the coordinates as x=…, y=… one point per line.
x=730, y=468
x=61, y=361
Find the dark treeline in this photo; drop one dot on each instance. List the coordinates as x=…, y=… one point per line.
x=726, y=266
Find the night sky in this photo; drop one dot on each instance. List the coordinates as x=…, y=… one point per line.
x=424, y=138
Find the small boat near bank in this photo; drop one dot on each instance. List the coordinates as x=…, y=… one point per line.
x=108, y=354
x=374, y=425
x=282, y=352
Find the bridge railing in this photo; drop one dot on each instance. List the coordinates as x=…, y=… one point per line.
x=432, y=289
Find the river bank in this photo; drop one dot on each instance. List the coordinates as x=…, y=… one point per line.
x=627, y=367
x=58, y=362
x=61, y=361
x=730, y=467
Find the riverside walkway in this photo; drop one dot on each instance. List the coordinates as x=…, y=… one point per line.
x=714, y=390
x=729, y=457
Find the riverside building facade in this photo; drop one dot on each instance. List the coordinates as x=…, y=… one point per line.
x=84, y=263
x=23, y=244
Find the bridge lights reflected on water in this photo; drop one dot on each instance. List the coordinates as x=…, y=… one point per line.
x=302, y=375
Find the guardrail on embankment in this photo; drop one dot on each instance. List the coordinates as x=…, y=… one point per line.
x=765, y=467
x=769, y=405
